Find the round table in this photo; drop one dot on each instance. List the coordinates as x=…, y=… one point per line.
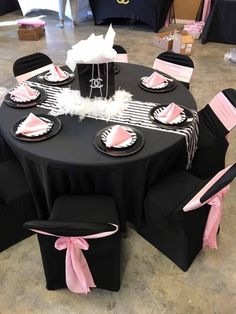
x=69, y=163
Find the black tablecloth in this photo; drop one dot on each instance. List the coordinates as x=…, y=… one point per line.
x=221, y=22
x=68, y=163
x=151, y=12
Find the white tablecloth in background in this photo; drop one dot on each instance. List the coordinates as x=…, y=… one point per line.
x=31, y=5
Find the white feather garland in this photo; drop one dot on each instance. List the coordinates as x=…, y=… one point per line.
x=70, y=102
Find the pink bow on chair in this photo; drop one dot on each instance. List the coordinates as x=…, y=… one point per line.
x=213, y=220
x=78, y=275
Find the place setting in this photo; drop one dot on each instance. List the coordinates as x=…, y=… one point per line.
x=157, y=83
x=119, y=140
x=36, y=127
x=171, y=116
x=56, y=77
x=25, y=96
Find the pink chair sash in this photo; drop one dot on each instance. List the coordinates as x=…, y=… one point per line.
x=224, y=110
x=179, y=72
x=23, y=77
x=121, y=57
x=78, y=276
x=214, y=217
x=206, y=10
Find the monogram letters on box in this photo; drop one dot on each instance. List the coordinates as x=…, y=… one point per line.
x=96, y=80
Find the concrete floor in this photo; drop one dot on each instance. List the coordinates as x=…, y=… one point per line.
x=151, y=283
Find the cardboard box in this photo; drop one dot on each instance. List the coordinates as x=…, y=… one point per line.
x=30, y=32
x=183, y=43
x=161, y=41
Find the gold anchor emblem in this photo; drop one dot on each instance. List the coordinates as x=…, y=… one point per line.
x=122, y=1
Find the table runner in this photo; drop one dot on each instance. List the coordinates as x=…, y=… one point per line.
x=136, y=114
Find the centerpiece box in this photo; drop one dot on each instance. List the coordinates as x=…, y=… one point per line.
x=163, y=40
x=27, y=32
x=96, y=80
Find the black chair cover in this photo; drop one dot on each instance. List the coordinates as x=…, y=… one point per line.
x=179, y=234
x=119, y=49
x=176, y=58
x=212, y=143
x=80, y=216
x=30, y=62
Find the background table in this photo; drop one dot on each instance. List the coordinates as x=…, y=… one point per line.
x=221, y=22
x=151, y=12
x=8, y=6
x=32, y=5
x=70, y=164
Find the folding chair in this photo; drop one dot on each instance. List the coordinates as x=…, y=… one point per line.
x=31, y=65
x=176, y=65
x=216, y=121
x=16, y=204
x=182, y=214
x=76, y=223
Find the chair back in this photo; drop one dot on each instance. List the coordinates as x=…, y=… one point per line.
x=31, y=65
x=212, y=187
x=224, y=107
x=122, y=55
x=176, y=65
x=77, y=242
x=212, y=194
x=216, y=120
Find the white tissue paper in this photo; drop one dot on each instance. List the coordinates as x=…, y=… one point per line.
x=95, y=49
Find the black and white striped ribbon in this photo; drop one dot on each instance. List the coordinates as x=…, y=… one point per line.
x=136, y=114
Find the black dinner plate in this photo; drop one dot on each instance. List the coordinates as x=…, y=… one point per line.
x=41, y=79
x=187, y=117
x=119, y=152
x=52, y=132
x=171, y=85
x=26, y=104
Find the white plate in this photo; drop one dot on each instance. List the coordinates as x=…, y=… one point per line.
x=38, y=133
x=48, y=77
x=124, y=144
x=181, y=117
x=14, y=98
x=160, y=86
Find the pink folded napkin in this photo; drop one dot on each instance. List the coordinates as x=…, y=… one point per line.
x=154, y=80
x=24, y=92
x=56, y=74
x=171, y=112
x=117, y=136
x=31, y=125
